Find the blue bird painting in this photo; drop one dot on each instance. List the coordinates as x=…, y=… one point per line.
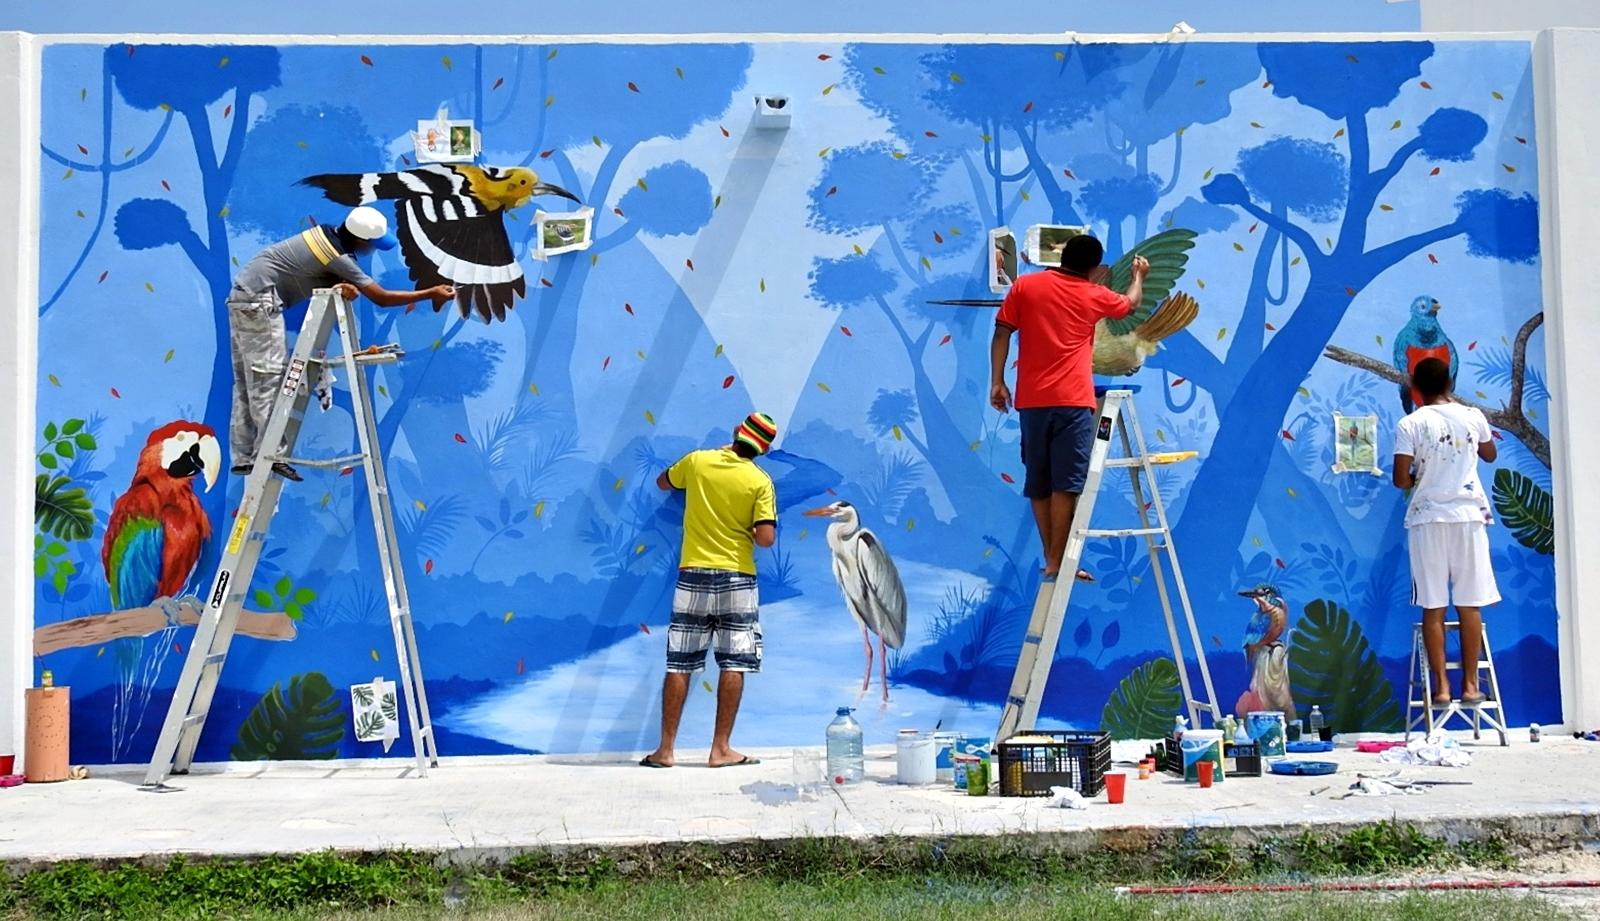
x=1267, y=654
x=1421, y=337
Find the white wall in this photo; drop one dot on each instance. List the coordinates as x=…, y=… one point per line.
x=1566, y=71
x=1498, y=16
x=19, y=313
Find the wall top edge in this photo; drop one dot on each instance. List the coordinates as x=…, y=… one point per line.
x=769, y=38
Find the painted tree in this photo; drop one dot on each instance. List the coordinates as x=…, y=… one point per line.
x=1344, y=82
x=190, y=80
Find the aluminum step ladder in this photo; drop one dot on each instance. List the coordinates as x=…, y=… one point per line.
x=1117, y=416
x=202, y=668
x=1427, y=717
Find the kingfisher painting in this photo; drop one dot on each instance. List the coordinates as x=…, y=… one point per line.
x=1267, y=653
x=1421, y=337
x=158, y=528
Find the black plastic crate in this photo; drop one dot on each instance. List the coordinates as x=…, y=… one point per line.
x=1068, y=759
x=1242, y=761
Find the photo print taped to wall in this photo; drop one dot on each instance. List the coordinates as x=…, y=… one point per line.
x=1046, y=241
x=1002, y=259
x=446, y=140
x=562, y=232
x=1355, y=440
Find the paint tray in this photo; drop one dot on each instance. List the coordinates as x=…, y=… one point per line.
x=1308, y=747
x=1304, y=768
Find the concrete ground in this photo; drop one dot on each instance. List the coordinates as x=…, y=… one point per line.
x=488, y=807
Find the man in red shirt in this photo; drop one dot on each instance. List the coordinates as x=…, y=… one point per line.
x=1054, y=314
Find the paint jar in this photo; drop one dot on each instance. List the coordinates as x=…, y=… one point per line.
x=978, y=777
x=1269, y=731
x=1533, y=735
x=944, y=755
x=1200, y=745
x=1144, y=770
x=964, y=765
x=914, y=758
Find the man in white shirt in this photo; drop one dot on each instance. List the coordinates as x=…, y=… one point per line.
x=1436, y=454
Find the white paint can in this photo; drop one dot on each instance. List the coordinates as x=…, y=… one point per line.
x=914, y=757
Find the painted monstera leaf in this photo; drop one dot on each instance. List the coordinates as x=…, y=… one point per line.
x=304, y=723
x=369, y=726
x=391, y=711
x=62, y=509
x=1527, y=509
x=1144, y=703
x=1331, y=666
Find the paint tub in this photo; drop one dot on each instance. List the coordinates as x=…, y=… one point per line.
x=944, y=755
x=1269, y=730
x=914, y=758
x=1201, y=745
x=966, y=745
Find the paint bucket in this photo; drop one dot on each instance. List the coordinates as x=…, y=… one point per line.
x=1269, y=730
x=1201, y=745
x=944, y=755
x=914, y=757
x=965, y=745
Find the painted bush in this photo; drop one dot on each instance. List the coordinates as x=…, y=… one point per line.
x=1329, y=186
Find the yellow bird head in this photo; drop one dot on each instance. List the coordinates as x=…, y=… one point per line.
x=508, y=186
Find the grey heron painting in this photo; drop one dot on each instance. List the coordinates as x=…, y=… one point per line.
x=872, y=590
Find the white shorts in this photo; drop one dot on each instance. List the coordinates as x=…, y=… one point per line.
x=1450, y=563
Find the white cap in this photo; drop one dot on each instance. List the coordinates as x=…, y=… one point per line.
x=368, y=223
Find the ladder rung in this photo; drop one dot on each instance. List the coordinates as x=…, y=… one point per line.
x=1015, y=701
x=1033, y=638
x=216, y=658
x=193, y=719
x=1121, y=532
x=342, y=460
x=425, y=731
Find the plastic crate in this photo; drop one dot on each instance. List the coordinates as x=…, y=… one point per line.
x=1068, y=759
x=1242, y=761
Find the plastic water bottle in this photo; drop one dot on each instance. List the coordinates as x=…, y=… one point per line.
x=1179, y=725
x=846, y=763
x=1315, y=721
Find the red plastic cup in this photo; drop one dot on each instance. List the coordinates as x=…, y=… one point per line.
x=1204, y=769
x=8, y=765
x=1116, y=787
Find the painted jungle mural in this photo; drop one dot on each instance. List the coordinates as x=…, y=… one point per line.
x=1328, y=212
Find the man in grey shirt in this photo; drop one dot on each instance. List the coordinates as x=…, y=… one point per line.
x=280, y=276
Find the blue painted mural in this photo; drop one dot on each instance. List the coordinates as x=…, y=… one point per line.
x=1328, y=187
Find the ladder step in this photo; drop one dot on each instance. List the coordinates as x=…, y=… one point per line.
x=1121, y=532
x=216, y=658
x=326, y=463
x=193, y=719
x=1033, y=639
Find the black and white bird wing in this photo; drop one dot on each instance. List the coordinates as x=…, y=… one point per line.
x=447, y=241
x=885, y=595
x=447, y=236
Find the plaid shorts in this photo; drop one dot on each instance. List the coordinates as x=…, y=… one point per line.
x=714, y=605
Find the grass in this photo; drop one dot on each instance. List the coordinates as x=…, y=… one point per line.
x=815, y=878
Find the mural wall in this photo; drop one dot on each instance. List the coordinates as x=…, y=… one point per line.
x=1330, y=190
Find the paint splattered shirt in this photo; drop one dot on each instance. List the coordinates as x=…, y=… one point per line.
x=1443, y=439
x=1054, y=315
x=725, y=496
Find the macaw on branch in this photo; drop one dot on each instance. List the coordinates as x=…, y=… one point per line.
x=451, y=225
x=1422, y=337
x=158, y=527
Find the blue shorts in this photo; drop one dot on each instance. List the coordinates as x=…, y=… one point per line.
x=1056, y=441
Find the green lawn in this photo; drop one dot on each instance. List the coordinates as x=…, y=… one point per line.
x=930, y=900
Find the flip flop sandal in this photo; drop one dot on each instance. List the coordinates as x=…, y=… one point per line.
x=646, y=762
x=740, y=763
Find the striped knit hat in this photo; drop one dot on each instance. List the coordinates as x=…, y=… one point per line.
x=758, y=431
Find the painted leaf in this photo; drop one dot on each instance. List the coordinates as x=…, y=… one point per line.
x=1144, y=702
x=306, y=722
x=538, y=509
x=650, y=417
x=827, y=89
x=824, y=387
x=1496, y=94
x=1527, y=509
x=633, y=87
x=1332, y=666
x=727, y=382
x=448, y=64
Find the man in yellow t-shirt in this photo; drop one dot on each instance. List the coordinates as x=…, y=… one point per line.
x=730, y=508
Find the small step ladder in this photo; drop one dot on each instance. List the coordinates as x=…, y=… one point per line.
x=1021, y=710
x=1423, y=714
x=202, y=668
